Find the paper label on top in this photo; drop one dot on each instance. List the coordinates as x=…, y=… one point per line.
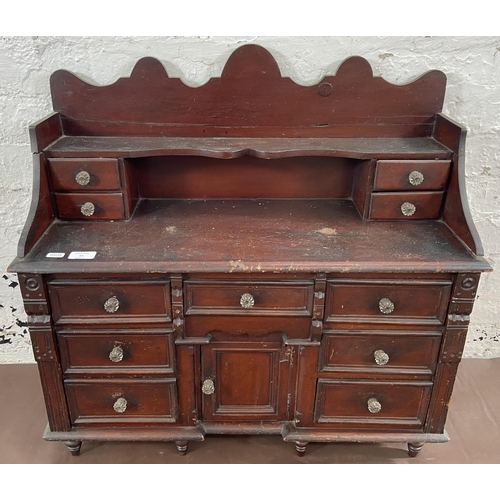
x=55, y=255
x=82, y=255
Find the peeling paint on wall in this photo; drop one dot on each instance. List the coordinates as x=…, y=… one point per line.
x=472, y=66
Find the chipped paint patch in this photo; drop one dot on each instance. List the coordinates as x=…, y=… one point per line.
x=327, y=231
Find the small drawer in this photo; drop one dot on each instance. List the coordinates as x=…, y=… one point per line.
x=385, y=301
x=377, y=353
x=90, y=206
x=84, y=174
x=262, y=298
x=358, y=403
x=121, y=401
x=116, y=352
x=406, y=206
x=408, y=175
x=87, y=302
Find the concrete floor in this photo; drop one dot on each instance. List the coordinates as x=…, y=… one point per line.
x=473, y=427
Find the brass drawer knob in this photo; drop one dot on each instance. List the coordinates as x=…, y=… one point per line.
x=88, y=209
x=374, y=405
x=120, y=405
x=386, y=306
x=247, y=301
x=208, y=387
x=408, y=209
x=116, y=354
x=416, y=178
x=112, y=305
x=381, y=357
x=82, y=178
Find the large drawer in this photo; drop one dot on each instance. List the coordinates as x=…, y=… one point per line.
x=84, y=174
x=116, y=352
x=380, y=353
x=122, y=401
x=262, y=298
x=85, y=302
x=360, y=403
x=403, y=175
x=387, y=301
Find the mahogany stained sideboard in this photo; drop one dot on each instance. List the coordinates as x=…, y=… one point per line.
x=248, y=256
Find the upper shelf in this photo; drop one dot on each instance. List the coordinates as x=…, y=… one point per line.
x=226, y=148
x=250, y=99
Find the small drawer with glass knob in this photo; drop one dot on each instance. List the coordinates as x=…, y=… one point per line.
x=84, y=174
x=379, y=353
x=105, y=401
x=90, y=206
x=378, y=301
x=97, y=302
x=114, y=351
x=411, y=175
x=406, y=205
x=359, y=403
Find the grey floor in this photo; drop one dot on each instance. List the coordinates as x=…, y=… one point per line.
x=473, y=426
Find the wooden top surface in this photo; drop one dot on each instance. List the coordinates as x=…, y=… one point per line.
x=250, y=236
x=226, y=148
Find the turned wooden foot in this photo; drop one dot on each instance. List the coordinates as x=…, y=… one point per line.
x=74, y=447
x=182, y=447
x=301, y=446
x=414, y=448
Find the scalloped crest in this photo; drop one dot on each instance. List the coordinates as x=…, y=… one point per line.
x=250, y=99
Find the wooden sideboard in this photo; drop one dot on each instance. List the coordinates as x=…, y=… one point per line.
x=250, y=256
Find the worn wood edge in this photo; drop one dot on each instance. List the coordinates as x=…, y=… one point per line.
x=243, y=428
x=127, y=434
x=292, y=433
x=45, y=132
x=473, y=240
x=40, y=195
x=27, y=265
x=230, y=148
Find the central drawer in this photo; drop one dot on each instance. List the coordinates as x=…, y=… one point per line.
x=248, y=298
x=95, y=301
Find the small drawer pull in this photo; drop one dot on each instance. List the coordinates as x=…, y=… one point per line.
x=88, y=209
x=82, y=178
x=112, y=305
x=116, y=354
x=247, y=301
x=381, y=357
x=416, y=178
x=386, y=306
x=208, y=387
x=408, y=209
x=374, y=405
x=120, y=405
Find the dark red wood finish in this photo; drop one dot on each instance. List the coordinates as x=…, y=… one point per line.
x=251, y=269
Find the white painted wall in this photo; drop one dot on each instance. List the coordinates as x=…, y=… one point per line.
x=473, y=99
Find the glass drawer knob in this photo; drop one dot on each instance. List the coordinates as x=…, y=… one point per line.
x=247, y=301
x=120, y=405
x=112, y=305
x=373, y=405
x=386, y=306
x=381, y=357
x=416, y=178
x=82, y=178
x=88, y=209
x=208, y=387
x=116, y=354
x=408, y=209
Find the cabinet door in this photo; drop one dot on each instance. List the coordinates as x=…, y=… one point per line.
x=245, y=381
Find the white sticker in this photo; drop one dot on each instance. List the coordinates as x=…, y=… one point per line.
x=82, y=255
x=55, y=255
